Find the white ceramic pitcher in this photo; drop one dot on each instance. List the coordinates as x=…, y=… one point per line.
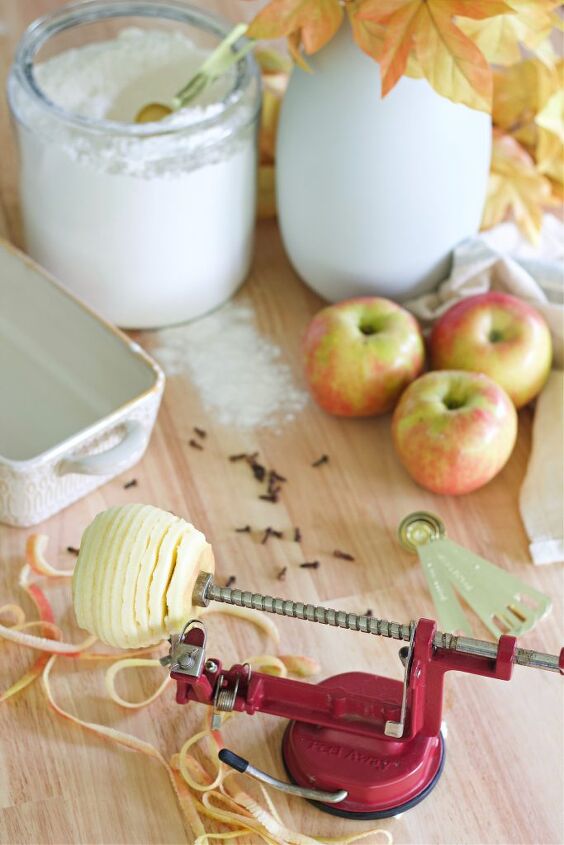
x=374, y=194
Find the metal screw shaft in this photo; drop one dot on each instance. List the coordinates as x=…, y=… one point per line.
x=308, y=612
x=205, y=591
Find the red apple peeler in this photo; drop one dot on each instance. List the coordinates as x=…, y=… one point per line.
x=358, y=745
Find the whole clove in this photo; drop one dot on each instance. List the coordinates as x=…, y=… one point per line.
x=324, y=459
x=195, y=445
x=230, y=581
x=72, y=550
x=368, y=613
x=269, y=497
x=245, y=529
x=239, y=457
x=200, y=432
x=259, y=471
x=275, y=476
x=274, y=488
x=310, y=564
x=297, y=535
x=342, y=555
x=271, y=532
x=282, y=574
x=129, y=484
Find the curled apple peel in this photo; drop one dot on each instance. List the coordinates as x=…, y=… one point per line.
x=208, y=796
x=135, y=574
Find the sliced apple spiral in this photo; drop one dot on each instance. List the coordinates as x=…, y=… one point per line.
x=135, y=573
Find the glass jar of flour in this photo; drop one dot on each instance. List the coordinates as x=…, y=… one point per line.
x=150, y=223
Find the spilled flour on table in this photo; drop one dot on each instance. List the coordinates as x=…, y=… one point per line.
x=240, y=375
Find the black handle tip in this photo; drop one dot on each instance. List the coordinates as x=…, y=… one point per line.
x=231, y=759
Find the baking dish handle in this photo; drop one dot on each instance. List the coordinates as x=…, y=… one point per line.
x=112, y=460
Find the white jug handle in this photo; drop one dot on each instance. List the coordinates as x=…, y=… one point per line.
x=112, y=460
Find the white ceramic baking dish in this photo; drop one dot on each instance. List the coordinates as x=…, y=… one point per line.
x=78, y=399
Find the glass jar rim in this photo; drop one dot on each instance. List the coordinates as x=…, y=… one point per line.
x=89, y=11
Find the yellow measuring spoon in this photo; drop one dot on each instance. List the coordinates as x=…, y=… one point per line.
x=216, y=64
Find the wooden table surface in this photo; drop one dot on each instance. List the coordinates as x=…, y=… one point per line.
x=504, y=773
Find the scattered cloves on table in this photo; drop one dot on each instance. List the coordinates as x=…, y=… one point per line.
x=245, y=529
x=230, y=581
x=282, y=574
x=324, y=459
x=72, y=550
x=342, y=555
x=195, y=445
x=310, y=564
x=129, y=484
x=297, y=535
x=261, y=474
x=200, y=432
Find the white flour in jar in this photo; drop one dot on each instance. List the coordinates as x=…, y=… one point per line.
x=150, y=231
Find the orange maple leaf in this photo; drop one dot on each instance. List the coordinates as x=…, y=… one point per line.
x=477, y=9
x=368, y=34
x=312, y=23
x=500, y=38
x=424, y=29
x=515, y=188
x=399, y=28
x=441, y=40
x=451, y=62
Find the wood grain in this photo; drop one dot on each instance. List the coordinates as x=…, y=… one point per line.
x=504, y=773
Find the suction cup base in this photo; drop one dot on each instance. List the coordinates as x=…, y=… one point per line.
x=383, y=777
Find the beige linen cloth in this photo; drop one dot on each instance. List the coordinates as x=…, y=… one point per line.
x=502, y=260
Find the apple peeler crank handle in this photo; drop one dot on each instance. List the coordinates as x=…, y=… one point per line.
x=205, y=591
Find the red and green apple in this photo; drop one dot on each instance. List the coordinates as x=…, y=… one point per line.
x=499, y=335
x=360, y=354
x=454, y=430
